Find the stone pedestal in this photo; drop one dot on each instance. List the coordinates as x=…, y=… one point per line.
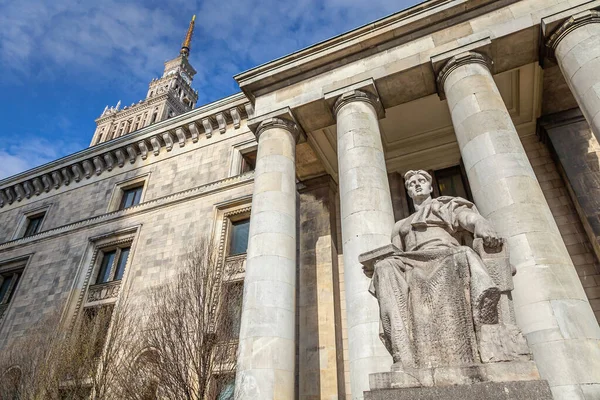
x=522, y=390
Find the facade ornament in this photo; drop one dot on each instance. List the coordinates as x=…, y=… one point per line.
x=168, y=139
x=131, y=153
x=143, y=149
x=468, y=57
x=459, y=312
x=220, y=117
x=155, y=145
x=574, y=22
x=28, y=189
x=207, y=127
x=47, y=182
x=20, y=193
x=282, y=123
x=180, y=136
x=37, y=184
x=57, y=179
x=109, y=161
x=249, y=109
x=10, y=197
x=194, y=132
x=235, y=115
x=66, y=176
x=358, y=95
x=99, y=164
x=87, y=168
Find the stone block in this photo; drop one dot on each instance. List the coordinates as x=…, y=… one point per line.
x=522, y=390
x=455, y=375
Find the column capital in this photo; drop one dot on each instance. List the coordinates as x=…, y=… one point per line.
x=358, y=95
x=277, y=122
x=468, y=57
x=574, y=22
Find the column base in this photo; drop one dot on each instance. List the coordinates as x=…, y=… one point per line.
x=519, y=390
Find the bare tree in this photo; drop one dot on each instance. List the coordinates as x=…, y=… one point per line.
x=190, y=333
x=83, y=363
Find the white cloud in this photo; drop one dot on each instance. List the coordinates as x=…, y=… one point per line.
x=29, y=152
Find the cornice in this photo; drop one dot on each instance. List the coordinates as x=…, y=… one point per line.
x=171, y=199
x=468, y=57
x=398, y=28
x=574, y=22
x=117, y=152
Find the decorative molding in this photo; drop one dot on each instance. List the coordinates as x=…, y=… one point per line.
x=223, y=184
x=574, y=22
x=357, y=95
x=468, y=57
x=103, y=291
x=281, y=123
x=95, y=160
x=98, y=244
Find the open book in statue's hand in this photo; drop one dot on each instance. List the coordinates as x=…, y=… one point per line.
x=369, y=258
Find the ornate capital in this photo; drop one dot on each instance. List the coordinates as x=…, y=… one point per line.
x=358, y=95
x=574, y=22
x=281, y=123
x=468, y=57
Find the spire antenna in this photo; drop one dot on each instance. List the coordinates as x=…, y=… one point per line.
x=185, y=46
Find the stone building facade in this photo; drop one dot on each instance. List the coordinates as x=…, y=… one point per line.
x=500, y=100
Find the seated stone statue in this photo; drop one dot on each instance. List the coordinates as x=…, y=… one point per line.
x=433, y=292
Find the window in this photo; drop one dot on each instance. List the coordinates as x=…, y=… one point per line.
x=239, y=237
x=112, y=265
x=131, y=197
x=248, y=162
x=33, y=224
x=9, y=283
x=451, y=182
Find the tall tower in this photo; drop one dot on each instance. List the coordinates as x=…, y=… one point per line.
x=167, y=96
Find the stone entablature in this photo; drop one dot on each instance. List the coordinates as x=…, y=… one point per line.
x=219, y=116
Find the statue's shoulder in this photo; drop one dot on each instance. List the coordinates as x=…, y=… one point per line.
x=451, y=199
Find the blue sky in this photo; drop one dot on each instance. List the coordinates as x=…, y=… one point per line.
x=63, y=61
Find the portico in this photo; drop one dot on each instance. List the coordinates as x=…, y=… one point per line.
x=462, y=86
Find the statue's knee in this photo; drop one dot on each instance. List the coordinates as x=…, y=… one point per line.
x=385, y=267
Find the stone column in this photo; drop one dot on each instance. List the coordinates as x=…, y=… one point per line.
x=367, y=223
x=267, y=349
x=550, y=304
x=576, y=45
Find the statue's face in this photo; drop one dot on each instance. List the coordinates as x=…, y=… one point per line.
x=418, y=187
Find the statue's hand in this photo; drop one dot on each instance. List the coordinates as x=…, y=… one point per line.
x=484, y=230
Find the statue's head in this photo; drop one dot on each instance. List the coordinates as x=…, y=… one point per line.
x=418, y=184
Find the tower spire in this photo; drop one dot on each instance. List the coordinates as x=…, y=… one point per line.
x=185, y=46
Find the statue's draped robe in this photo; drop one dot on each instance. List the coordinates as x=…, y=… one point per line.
x=429, y=293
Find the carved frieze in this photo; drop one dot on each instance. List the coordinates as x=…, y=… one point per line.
x=103, y=291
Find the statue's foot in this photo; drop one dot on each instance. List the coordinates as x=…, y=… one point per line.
x=486, y=306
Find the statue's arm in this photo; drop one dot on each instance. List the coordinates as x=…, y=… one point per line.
x=479, y=226
x=396, y=238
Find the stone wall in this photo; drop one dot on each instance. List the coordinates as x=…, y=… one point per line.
x=169, y=172
x=567, y=219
